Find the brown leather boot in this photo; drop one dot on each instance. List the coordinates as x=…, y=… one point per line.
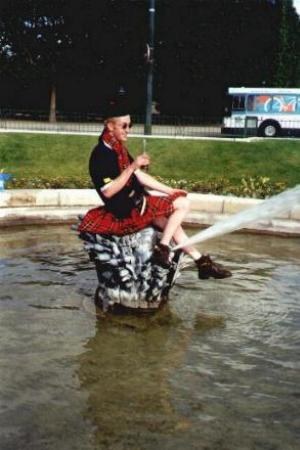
x=208, y=268
x=161, y=255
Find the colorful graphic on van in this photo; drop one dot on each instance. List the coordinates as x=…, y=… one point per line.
x=284, y=104
x=272, y=104
x=263, y=103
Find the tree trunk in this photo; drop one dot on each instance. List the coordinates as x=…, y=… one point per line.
x=52, y=113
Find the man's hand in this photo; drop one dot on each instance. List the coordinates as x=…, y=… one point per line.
x=141, y=161
x=179, y=191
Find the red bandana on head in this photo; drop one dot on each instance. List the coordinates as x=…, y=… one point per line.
x=118, y=147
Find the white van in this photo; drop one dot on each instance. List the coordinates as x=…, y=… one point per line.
x=267, y=112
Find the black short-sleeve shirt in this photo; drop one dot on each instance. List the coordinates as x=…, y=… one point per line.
x=103, y=167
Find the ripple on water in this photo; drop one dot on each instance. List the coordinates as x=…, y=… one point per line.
x=223, y=375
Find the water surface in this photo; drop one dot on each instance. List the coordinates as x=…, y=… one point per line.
x=218, y=370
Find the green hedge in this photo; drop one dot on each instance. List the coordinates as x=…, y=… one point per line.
x=256, y=187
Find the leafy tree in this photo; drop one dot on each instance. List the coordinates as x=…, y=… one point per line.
x=36, y=42
x=287, y=73
x=86, y=49
x=96, y=46
x=205, y=46
x=116, y=33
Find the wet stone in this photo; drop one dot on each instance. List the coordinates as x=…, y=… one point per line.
x=125, y=271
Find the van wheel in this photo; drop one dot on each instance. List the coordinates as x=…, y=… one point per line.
x=269, y=129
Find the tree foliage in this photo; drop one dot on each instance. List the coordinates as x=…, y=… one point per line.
x=287, y=72
x=86, y=49
x=38, y=45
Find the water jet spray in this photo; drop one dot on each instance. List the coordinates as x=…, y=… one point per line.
x=269, y=208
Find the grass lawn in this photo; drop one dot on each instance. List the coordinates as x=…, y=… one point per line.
x=27, y=155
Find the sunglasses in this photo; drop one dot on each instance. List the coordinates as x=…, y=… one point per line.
x=126, y=125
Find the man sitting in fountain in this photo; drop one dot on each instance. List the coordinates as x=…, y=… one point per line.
x=121, y=183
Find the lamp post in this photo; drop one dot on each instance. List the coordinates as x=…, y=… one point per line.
x=150, y=62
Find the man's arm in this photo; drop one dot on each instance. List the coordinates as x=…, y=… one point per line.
x=114, y=186
x=151, y=183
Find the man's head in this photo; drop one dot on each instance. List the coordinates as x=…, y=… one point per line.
x=119, y=126
x=117, y=118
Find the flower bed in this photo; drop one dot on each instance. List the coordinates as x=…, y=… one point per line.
x=255, y=187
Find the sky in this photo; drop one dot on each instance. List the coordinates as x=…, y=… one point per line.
x=297, y=6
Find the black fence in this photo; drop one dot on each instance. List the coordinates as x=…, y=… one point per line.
x=162, y=125
x=92, y=123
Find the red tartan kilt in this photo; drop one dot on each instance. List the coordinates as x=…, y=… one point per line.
x=100, y=221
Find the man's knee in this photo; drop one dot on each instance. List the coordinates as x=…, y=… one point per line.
x=182, y=203
x=160, y=222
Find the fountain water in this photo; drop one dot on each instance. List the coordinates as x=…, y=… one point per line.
x=271, y=207
x=226, y=353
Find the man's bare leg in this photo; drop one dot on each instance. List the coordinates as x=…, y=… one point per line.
x=181, y=208
x=172, y=230
x=179, y=237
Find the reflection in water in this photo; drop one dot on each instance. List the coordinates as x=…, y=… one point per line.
x=218, y=370
x=126, y=371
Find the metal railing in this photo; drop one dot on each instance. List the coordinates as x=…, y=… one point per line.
x=162, y=125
